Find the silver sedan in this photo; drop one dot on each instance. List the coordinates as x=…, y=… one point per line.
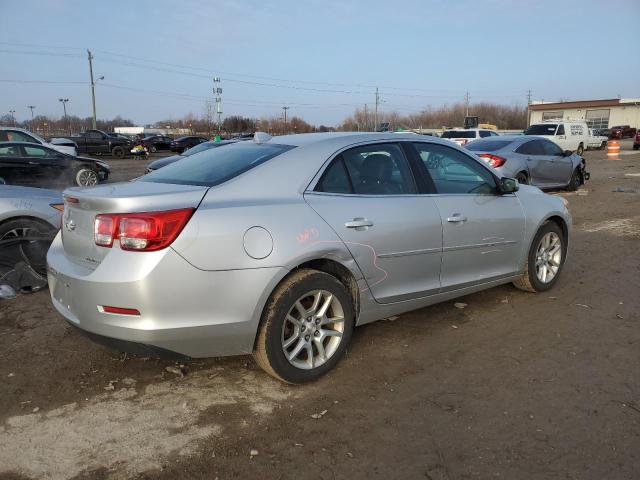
x=533, y=160
x=280, y=246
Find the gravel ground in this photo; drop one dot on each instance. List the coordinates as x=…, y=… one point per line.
x=515, y=385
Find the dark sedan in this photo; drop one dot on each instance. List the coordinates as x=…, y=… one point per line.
x=184, y=143
x=163, y=162
x=157, y=142
x=32, y=165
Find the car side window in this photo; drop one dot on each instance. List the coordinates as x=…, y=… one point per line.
x=533, y=147
x=10, y=151
x=20, y=137
x=379, y=169
x=560, y=130
x=453, y=172
x=335, y=178
x=484, y=133
x=551, y=148
x=37, y=152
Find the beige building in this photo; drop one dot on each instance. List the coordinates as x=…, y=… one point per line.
x=597, y=113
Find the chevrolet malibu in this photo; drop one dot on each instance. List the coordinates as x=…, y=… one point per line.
x=280, y=246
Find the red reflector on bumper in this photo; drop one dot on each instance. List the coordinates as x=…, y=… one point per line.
x=119, y=310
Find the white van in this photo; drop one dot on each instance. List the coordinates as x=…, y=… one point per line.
x=569, y=135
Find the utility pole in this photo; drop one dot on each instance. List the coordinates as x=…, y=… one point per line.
x=13, y=116
x=217, y=91
x=466, y=101
x=93, y=88
x=31, y=107
x=64, y=107
x=375, y=116
x=528, y=107
x=284, y=109
x=366, y=120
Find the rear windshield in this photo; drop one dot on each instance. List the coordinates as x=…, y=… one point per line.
x=216, y=165
x=542, y=129
x=200, y=148
x=458, y=134
x=488, y=145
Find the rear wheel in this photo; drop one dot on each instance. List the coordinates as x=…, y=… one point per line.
x=118, y=152
x=306, y=327
x=32, y=239
x=152, y=148
x=545, y=259
x=86, y=177
x=522, y=178
x=580, y=149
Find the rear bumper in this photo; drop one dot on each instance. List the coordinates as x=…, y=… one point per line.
x=183, y=310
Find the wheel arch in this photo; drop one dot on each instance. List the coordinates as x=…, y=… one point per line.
x=30, y=218
x=558, y=220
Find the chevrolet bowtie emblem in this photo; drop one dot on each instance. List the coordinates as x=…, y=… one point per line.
x=71, y=225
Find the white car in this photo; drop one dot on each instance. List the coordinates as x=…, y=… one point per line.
x=596, y=141
x=462, y=136
x=14, y=134
x=569, y=135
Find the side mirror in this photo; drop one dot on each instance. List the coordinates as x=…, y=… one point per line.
x=508, y=185
x=567, y=153
x=2, y=182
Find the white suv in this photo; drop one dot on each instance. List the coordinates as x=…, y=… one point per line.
x=14, y=134
x=462, y=136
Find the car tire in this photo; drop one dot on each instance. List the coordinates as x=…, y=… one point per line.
x=603, y=145
x=152, y=149
x=532, y=279
x=580, y=149
x=86, y=177
x=636, y=147
x=118, y=152
x=522, y=178
x=33, y=252
x=576, y=181
x=283, y=349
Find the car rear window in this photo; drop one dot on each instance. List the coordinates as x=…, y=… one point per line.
x=488, y=145
x=458, y=134
x=542, y=129
x=217, y=165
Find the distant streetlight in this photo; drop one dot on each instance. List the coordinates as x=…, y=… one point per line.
x=64, y=107
x=13, y=116
x=31, y=107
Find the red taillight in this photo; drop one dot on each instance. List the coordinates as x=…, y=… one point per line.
x=146, y=232
x=119, y=310
x=71, y=199
x=494, y=160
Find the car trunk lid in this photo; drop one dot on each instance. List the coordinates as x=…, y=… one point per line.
x=82, y=206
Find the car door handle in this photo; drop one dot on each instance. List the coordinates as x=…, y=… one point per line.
x=33, y=163
x=359, y=223
x=457, y=218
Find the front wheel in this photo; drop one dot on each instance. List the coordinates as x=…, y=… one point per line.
x=118, y=152
x=306, y=327
x=580, y=149
x=86, y=177
x=522, y=178
x=545, y=259
x=576, y=180
x=152, y=148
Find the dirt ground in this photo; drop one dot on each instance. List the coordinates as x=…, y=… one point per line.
x=514, y=386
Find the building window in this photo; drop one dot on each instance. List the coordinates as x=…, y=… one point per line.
x=597, y=118
x=552, y=116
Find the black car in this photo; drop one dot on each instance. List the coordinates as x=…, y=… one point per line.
x=183, y=143
x=30, y=165
x=163, y=162
x=157, y=142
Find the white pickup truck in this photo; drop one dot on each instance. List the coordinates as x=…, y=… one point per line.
x=596, y=142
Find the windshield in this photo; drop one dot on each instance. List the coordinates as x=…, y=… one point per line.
x=200, y=148
x=459, y=134
x=487, y=145
x=542, y=129
x=215, y=166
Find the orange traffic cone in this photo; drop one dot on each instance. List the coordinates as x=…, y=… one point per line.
x=613, y=150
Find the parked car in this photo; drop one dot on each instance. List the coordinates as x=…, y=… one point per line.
x=462, y=136
x=29, y=219
x=12, y=134
x=603, y=132
x=281, y=246
x=27, y=164
x=201, y=147
x=596, y=141
x=569, y=135
x=97, y=142
x=623, y=131
x=532, y=160
x=636, y=141
x=157, y=142
x=184, y=143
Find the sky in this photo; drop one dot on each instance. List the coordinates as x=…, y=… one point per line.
x=322, y=58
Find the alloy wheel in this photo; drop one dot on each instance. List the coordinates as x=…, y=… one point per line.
x=548, y=257
x=87, y=178
x=312, y=330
